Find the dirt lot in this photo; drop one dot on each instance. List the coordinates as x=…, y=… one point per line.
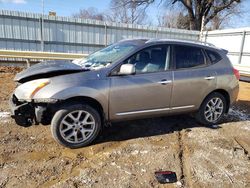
x=128, y=153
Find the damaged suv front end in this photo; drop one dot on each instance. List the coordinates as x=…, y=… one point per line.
x=24, y=108
x=27, y=109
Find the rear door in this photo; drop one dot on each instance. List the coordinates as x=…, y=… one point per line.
x=146, y=93
x=193, y=78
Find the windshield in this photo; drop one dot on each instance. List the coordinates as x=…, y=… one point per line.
x=106, y=56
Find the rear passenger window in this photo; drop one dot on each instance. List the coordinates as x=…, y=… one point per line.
x=188, y=57
x=213, y=56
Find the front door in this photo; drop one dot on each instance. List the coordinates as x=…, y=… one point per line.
x=146, y=93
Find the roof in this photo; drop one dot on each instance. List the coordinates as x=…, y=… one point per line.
x=182, y=41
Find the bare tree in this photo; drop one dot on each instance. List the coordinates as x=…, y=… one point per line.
x=173, y=19
x=223, y=19
x=128, y=11
x=168, y=19
x=196, y=9
x=90, y=13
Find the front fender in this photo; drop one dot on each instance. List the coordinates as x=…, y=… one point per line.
x=99, y=94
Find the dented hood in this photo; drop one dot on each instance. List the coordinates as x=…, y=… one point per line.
x=47, y=69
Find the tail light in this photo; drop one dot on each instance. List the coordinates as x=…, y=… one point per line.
x=236, y=73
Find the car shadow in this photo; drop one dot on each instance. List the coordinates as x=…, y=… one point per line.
x=149, y=127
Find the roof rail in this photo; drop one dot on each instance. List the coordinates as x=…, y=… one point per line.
x=182, y=40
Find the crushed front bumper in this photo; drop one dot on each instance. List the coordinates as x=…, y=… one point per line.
x=26, y=113
x=22, y=112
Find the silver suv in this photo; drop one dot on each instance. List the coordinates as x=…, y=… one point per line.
x=127, y=80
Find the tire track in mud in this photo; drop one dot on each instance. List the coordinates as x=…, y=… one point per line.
x=181, y=160
x=185, y=177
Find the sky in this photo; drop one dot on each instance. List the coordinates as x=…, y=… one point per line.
x=69, y=7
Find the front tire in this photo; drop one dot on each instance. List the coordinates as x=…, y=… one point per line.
x=76, y=126
x=212, y=109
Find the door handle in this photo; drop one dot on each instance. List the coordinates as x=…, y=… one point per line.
x=164, y=82
x=209, y=78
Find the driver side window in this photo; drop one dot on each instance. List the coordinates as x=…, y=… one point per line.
x=152, y=59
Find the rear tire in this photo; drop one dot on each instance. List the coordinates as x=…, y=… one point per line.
x=212, y=109
x=76, y=125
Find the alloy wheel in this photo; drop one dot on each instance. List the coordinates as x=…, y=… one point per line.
x=214, y=109
x=77, y=126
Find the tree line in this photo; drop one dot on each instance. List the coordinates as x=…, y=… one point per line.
x=181, y=14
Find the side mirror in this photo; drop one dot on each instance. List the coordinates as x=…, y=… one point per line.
x=127, y=69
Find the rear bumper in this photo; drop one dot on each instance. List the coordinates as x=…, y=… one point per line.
x=26, y=113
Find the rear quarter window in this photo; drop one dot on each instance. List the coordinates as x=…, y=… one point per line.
x=214, y=57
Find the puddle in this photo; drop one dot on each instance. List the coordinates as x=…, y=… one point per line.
x=238, y=114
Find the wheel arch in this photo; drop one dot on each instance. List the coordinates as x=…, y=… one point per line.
x=222, y=92
x=86, y=100
x=80, y=100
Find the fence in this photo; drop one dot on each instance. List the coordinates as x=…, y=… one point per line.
x=237, y=42
x=21, y=31
x=24, y=32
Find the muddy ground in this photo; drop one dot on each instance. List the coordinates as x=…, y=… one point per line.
x=127, y=154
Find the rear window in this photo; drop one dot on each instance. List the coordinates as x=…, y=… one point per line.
x=188, y=57
x=213, y=56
